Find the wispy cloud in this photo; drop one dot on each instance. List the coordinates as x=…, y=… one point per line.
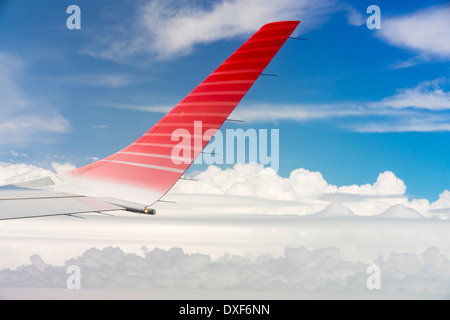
x=427, y=95
x=21, y=119
x=147, y=108
x=100, y=126
x=355, y=18
x=109, y=80
x=425, y=32
x=172, y=28
x=424, y=108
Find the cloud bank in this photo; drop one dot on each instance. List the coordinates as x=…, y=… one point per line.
x=298, y=271
x=253, y=188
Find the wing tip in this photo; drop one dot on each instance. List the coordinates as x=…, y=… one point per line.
x=285, y=22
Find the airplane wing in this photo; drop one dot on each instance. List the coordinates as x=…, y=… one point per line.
x=20, y=203
x=139, y=175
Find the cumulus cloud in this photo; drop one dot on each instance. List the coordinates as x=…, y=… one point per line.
x=304, y=192
x=253, y=189
x=172, y=28
x=443, y=201
x=255, y=180
x=16, y=173
x=387, y=184
x=20, y=119
x=425, y=32
x=299, y=270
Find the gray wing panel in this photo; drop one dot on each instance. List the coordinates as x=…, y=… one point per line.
x=21, y=203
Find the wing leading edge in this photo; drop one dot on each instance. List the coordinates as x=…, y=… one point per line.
x=146, y=169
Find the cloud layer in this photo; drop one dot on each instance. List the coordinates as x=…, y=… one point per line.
x=298, y=271
x=304, y=192
x=250, y=188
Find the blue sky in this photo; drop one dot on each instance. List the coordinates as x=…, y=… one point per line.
x=359, y=101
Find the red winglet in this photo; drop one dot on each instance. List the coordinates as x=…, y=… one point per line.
x=147, y=165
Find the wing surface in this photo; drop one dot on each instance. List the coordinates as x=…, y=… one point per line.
x=19, y=203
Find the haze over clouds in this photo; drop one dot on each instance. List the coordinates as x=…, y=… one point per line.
x=250, y=232
x=298, y=272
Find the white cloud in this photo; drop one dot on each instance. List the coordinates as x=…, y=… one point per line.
x=289, y=256
x=246, y=188
x=256, y=181
x=426, y=32
x=298, y=112
x=427, y=95
x=297, y=271
x=171, y=28
x=62, y=167
x=21, y=120
x=110, y=80
x=250, y=188
x=147, y=108
x=443, y=201
x=355, y=18
x=423, y=108
x=387, y=184
x=417, y=123
x=15, y=173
